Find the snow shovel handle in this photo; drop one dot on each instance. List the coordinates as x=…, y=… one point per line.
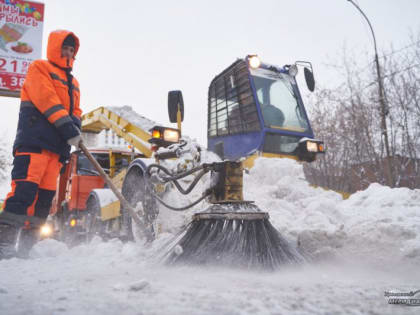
x=114, y=189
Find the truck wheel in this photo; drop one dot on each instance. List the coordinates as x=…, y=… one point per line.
x=61, y=217
x=66, y=234
x=94, y=225
x=134, y=191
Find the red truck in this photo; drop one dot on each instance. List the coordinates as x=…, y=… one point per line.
x=71, y=213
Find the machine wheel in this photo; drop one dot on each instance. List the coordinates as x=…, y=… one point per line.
x=94, y=225
x=70, y=236
x=60, y=219
x=134, y=190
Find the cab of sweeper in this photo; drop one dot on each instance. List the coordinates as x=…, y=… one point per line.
x=256, y=109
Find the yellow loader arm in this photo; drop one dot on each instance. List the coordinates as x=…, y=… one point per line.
x=124, y=121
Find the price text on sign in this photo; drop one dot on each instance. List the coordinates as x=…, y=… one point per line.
x=21, y=24
x=12, y=73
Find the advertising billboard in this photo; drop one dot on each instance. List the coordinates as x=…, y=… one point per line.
x=21, y=24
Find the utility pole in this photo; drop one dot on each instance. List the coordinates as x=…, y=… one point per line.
x=384, y=108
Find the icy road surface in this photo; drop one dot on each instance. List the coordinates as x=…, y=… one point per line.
x=360, y=248
x=111, y=278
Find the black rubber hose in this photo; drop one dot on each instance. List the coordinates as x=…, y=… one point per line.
x=171, y=176
x=205, y=168
x=177, y=185
x=182, y=208
x=192, y=185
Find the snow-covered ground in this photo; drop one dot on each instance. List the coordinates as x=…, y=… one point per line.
x=359, y=248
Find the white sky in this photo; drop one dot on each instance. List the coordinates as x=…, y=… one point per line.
x=134, y=52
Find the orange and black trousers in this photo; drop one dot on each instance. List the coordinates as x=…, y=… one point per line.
x=34, y=180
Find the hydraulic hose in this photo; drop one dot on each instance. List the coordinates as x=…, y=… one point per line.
x=185, y=207
x=174, y=178
x=205, y=168
x=171, y=176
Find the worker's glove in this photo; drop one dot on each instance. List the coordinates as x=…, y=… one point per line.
x=74, y=141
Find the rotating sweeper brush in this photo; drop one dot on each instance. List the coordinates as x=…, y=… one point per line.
x=231, y=232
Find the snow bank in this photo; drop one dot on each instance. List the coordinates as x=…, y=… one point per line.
x=378, y=225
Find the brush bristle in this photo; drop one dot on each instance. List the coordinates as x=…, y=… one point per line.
x=252, y=244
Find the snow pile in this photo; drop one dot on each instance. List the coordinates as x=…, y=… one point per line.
x=49, y=248
x=378, y=225
x=388, y=217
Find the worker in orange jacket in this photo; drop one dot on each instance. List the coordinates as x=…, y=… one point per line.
x=49, y=123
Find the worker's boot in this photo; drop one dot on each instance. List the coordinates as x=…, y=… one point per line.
x=9, y=236
x=18, y=234
x=27, y=238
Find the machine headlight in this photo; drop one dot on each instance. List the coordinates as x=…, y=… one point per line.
x=163, y=137
x=171, y=135
x=46, y=230
x=73, y=222
x=308, y=148
x=156, y=134
x=315, y=146
x=312, y=146
x=254, y=61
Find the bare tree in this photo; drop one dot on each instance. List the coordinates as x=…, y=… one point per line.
x=348, y=119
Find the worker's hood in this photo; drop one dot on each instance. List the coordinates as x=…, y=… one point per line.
x=55, y=42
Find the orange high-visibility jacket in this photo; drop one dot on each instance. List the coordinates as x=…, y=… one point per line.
x=50, y=98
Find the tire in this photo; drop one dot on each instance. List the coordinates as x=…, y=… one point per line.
x=135, y=191
x=66, y=235
x=60, y=219
x=94, y=225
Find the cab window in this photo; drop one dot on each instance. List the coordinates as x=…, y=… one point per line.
x=85, y=167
